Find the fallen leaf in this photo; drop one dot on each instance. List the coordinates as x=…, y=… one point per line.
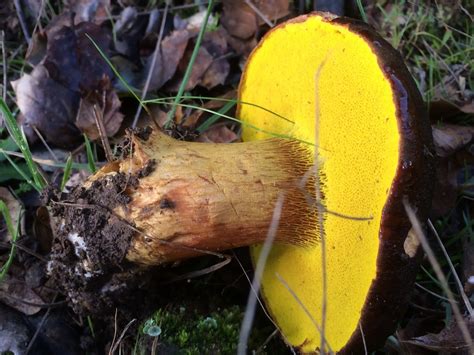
x=15, y=208
x=201, y=64
x=168, y=58
x=219, y=133
x=47, y=105
x=449, y=339
x=13, y=291
x=452, y=148
x=15, y=335
x=49, y=97
x=216, y=74
x=239, y=19
x=109, y=112
x=449, y=138
x=273, y=10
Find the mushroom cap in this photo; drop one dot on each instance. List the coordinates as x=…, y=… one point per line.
x=374, y=150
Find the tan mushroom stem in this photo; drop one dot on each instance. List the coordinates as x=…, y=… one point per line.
x=213, y=197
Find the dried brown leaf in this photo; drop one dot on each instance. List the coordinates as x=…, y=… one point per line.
x=449, y=339
x=449, y=138
x=13, y=291
x=47, y=105
x=218, y=134
x=110, y=114
x=172, y=50
x=201, y=64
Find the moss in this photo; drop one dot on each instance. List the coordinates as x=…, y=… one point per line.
x=183, y=331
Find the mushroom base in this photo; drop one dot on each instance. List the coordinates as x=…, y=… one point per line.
x=171, y=200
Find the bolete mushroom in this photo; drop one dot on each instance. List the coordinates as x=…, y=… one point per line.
x=170, y=200
x=375, y=149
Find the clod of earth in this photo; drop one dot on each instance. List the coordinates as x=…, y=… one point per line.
x=341, y=88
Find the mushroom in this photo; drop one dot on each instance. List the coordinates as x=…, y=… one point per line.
x=170, y=200
x=374, y=150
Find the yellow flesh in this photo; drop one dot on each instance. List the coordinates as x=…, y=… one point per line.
x=358, y=152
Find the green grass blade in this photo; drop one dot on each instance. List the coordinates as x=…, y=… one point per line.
x=117, y=74
x=90, y=155
x=67, y=172
x=14, y=234
x=362, y=11
x=211, y=120
x=189, y=68
x=21, y=172
x=166, y=100
x=21, y=142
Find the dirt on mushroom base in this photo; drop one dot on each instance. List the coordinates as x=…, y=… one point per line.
x=87, y=258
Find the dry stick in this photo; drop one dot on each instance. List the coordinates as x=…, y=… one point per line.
x=41, y=324
x=256, y=294
x=257, y=278
x=119, y=340
x=439, y=274
x=434, y=294
x=99, y=116
x=152, y=65
x=363, y=339
x=48, y=148
x=21, y=18
x=259, y=13
x=303, y=307
x=318, y=206
x=201, y=272
x=5, y=69
x=464, y=297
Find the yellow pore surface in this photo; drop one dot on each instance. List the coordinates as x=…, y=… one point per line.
x=358, y=150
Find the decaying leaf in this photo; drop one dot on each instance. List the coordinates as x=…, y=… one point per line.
x=49, y=97
x=449, y=138
x=219, y=133
x=47, y=105
x=452, y=148
x=168, y=58
x=13, y=291
x=241, y=21
x=449, y=339
x=201, y=64
x=99, y=105
x=15, y=208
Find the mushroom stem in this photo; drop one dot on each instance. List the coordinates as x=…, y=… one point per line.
x=212, y=197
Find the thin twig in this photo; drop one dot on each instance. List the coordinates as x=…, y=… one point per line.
x=189, y=68
x=5, y=70
x=33, y=304
x=112, y=350
x=256, y=293
x=439, y=273
x=21, y=19
x=303, y=307
x=247, y=322
x=99, y=121
x=259, y=13
x=40, y=326
x=201, y=272
x=464, y=297
x=320, y=210
x=48, y=148
x=152, y=65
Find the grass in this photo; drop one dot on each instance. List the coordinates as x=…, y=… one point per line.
x=14, y=232
x=435, y=39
